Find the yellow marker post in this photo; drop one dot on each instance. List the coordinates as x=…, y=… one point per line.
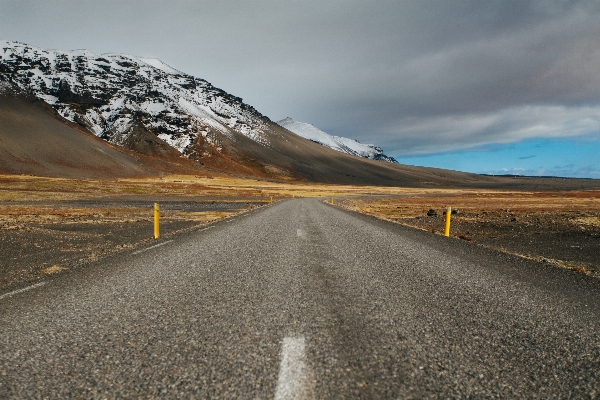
x=271, y=199
x=332, y=200
x=156, y=221
x=448, y=213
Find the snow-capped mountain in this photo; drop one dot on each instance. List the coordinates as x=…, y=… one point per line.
x=112, y=95
x=345, y=145
x=164, y=119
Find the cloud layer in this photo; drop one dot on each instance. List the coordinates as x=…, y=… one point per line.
x=465, y=131
x=411, y=76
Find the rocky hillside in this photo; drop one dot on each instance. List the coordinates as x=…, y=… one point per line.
x=338, y=143
x=133, y=102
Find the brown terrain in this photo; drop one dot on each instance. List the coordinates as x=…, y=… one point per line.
x=45, y=238
x=51, y=225
x=559, y=228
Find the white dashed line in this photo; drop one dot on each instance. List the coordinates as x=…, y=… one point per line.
x=295, y=378
x=299, y=232
x=151, y=247
x=22, y=290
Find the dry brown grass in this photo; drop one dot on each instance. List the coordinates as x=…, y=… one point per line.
x=30, y=188
x=17, y=217
x=52, y=270
x=475, y=202
x=593, y=221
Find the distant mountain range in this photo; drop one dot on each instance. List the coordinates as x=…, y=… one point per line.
x=338, y=143
x=80, y=114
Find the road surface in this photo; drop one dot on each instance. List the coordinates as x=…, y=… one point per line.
x=304, y=300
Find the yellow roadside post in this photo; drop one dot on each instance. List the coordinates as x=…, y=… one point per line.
x=332, y=200
x=448, y=213
x=271, y=199
x=156, y=221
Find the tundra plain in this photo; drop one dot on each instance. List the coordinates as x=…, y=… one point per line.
x=51, y=225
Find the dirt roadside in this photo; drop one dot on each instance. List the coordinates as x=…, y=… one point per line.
x=51, y=225
x=40, y=238
x=560, y=228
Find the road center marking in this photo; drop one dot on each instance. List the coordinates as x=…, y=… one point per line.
x=151, y=247
x=299, y=232
x=22, y=290
x=294, y=375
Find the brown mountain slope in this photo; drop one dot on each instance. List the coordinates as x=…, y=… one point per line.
x=34, y=140
x=304, y=159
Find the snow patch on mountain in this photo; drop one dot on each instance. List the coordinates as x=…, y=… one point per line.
x=108, y=93
x=156, y=63
x=345, y=145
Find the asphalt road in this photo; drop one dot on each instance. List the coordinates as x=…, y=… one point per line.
x=304, y=300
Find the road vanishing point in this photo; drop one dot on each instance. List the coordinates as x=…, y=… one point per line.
x=303, y=300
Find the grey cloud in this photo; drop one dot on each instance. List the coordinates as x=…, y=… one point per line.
x=411, y=76
x=453, y=132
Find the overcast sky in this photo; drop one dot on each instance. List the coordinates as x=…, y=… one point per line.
x=425, y=80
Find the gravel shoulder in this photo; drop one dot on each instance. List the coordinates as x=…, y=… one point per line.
x=558, y=228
